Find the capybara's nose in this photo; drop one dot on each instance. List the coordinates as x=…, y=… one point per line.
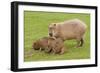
x=50, y=34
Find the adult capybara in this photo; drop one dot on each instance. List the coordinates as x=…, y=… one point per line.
x=67, y=30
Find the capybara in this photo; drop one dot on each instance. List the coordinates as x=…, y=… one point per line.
x=56, y=45
x=67, y=30
x=49, y=44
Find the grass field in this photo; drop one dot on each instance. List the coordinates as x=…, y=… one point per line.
x=36, y=26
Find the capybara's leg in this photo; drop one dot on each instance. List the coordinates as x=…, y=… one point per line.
x=40, y=49
x=48, y=50
x=62, y=50
x=78, y=42
x=81, y=42
x=54, y=51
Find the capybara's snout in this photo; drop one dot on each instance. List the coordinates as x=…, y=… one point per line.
x=50, y=34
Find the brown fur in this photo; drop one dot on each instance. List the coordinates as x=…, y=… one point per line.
x=56, y=46
x=40, y=44
x=67, y=30
x=49, y=44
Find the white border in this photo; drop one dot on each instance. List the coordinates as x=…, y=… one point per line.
x=22, y=64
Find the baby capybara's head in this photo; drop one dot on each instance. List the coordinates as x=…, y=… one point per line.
x=41, y=43
x=35, y=45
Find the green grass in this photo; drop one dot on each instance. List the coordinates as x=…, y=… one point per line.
x=36, y=26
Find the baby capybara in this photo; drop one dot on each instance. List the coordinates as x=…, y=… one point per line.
x=49, y=44
x=56, y=46
x=68, y=30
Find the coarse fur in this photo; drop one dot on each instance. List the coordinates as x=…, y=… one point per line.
x=40, y=44
x=49, y=44
x=56, y=46
x=67, y=30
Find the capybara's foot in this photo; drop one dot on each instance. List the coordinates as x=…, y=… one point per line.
x=62, y=50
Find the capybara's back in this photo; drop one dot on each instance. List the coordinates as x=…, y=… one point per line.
x=73, y=29
x=41, y=43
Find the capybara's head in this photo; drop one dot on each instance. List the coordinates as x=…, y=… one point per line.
x=35, y=46
x=52, y=29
